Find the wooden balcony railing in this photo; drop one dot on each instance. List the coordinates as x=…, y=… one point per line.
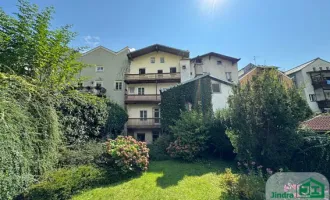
x=147, y=98
x=153, y=77
x=143, y=123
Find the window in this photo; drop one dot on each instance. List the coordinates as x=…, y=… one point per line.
x=173, y=70
x=312, y=97
x=219, y=62
x=131, y=90
x=98, y=84
x=157, y=115
x=216, y=88
x=140, y=91
x=155, y=135
x=228, y=76
x=199, y=61
x=162, y=60
x=320, y=68
x=160, y=71
x=118, y=85
x=152, y=60
x=142, y=71
x=314, y=69
x=143, y=115
x=99, y=69
x=184, y=67
x=141, y=137
x=327, y=68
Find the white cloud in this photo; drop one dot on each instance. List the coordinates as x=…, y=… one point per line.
x=92, y=41
x=132, y=49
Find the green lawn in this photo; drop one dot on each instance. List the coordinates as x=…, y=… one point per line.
x=166, y=180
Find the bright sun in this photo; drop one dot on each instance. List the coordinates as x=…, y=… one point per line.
x=210, y=6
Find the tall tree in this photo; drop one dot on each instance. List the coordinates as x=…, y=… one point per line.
x=30, y=47
x=264, y=116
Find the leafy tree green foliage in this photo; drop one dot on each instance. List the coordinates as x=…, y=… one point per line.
x=117, y=117
x=158, y=148
x=29, y=134
x=314, y=153
x=84, y=117
x=219, y=143
x=175, y=100
x=263, y=118
x=30, y=47
x=127, y=155
x=190, y=134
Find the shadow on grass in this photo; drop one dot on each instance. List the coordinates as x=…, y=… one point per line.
x=174, y=171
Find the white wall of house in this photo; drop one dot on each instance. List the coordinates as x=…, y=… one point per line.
x=134, y=110
x=219, y=100
x=149, y=88
x=187, y=70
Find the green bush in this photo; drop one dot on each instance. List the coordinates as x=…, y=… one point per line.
x=264, y=116
x=29, y=134
x=81, y=154
x=128, y=155
x=313, y=155
x=190, y=134
x=158, y=148
x=63, y=183
x=117, y=117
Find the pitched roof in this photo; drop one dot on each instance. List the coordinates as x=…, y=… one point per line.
x=200, y=77
x=158, y=47
x=104, y=48
x=234, y=60
x=318, y=123
x=300, y=67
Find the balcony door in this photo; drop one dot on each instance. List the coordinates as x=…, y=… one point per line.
x=157, y=115
x=140, y=91
x=160, y=73
x=142, y=71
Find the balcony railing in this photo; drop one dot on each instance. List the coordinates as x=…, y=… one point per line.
x=143, y=123
x=147, y=98
x=153, y=77
x=318, y=82
x=323, y=105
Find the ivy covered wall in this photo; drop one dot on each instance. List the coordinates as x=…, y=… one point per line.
x=175, y=100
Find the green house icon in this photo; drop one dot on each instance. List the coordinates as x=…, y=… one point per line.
x=310, y=188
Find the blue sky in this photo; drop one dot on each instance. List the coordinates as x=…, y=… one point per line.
x=284, y=33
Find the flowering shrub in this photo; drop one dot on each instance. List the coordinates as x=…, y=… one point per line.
x=179, y=149
x=128, y=155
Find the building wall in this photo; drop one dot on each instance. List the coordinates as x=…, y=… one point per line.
x=219, y=100
x=187, y=73
x=133, y=110
x=143, y=61
x=149, y=88
x=148, y=135
x=114, y=65
x=219, y=71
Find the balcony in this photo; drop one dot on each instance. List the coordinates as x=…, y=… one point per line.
x=324, y=105
x=147, y=98
x=143, y=123
x=153, y=78
x=321, y=82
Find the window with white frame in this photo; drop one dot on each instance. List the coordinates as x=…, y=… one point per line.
x=312, y=97
x=216, y=88
x=98, y=83
x=99, y=68
x=131, y=90
x=143, y=115
x=228, y=76
x=118, y=85
x=152, y=59
x=162, y=60
x=140, y=91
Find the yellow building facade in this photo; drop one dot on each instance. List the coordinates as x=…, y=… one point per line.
x=151, y=69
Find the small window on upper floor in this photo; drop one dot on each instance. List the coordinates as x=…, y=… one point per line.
x=142, y=71
x=216, y=88
x=99, y=69
x=118, y=85
x=228, y=76
x=162, y=60
x=173, y=70
x=152, y=59
x=219, y=62
x=312, y=97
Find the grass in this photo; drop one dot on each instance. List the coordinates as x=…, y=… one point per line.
x=166, y=180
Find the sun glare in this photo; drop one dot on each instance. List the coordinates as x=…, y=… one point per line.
x=209, y=7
